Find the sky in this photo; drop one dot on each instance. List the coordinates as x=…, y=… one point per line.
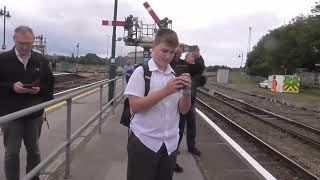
x=219, y=28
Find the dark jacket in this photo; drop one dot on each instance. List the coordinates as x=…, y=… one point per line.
x=179, y=66
x=196, y=71
x=12, y=70
x=197, y=68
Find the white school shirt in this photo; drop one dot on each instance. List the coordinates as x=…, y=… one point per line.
x=160, y=123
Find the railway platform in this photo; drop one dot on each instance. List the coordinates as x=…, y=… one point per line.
x=104, y=157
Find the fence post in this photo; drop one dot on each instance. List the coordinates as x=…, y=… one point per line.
x=68, y=139
x=114, y=95
x=123, y=85
x=100, y=116
x=123, y=82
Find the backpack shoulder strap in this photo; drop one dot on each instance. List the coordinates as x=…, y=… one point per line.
x=147, y=77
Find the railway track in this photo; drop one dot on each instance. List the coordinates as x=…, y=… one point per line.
x=71, y=82
x=306, y=114
x=298, y=143
x=305, y=132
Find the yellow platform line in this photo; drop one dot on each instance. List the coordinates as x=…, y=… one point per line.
x=60, y=104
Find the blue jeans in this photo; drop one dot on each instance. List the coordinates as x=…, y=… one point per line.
x=14, y=132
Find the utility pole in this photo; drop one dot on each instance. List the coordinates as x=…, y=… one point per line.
x=112, y=66
x=241, y=55
x=249, y=39
x=5, y=14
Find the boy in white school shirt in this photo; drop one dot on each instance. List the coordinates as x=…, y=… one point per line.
x=154, y=136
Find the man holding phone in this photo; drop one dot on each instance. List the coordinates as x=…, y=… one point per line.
x=25, y=80
x=196, y=67
x=179, y=66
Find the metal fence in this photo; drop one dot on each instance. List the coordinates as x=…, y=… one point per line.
x=66, y=145
x=309, y=79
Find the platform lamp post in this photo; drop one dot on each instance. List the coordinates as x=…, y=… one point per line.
x=5, y=14
x=112, y=65
x=77, y=65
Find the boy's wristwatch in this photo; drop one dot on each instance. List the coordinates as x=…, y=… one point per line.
x=186, y=92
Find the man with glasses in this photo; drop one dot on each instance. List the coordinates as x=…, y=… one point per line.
x=25, y=80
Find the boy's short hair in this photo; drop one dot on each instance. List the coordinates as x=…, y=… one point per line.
x=167, y=36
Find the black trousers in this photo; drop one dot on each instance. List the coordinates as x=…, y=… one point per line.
x=144, y=164
x=190, y=120
x=14, y=132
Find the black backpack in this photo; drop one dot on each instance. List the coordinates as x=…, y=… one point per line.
x=126, y=116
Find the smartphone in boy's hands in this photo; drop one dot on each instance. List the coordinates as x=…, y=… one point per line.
x=183, y=80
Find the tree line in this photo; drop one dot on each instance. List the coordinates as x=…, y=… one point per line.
x=216, y=67
x=291, y=46
x=89, y=58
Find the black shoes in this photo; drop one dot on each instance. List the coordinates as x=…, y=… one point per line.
x=195, y=151
x=178, y=168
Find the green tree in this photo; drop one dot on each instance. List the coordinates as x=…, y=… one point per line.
x=316, y=8
x=291, y=46
x=215, y=68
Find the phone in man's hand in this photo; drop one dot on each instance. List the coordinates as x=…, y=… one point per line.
x=188, y=48
x=35, y=83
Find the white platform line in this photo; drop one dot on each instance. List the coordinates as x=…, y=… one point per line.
x=236, y=146
x=58, y=74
